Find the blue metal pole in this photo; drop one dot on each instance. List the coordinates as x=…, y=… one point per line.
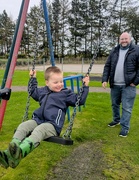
x=49, y=37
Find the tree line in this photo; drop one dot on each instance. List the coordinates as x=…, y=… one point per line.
x=79, y=28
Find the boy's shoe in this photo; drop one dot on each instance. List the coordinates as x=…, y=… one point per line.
x=19, y=151
x=123, y=133
x=14, y=149
x=4, y=162
x=113, y=124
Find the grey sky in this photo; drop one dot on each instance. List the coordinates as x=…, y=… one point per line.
x=12, y=7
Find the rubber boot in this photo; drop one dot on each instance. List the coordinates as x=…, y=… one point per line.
x=13, y=147
x=25, y=148
x=4, y=162
x=7, y=160
x=21, y=150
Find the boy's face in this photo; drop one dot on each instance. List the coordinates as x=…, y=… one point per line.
x=55, y=82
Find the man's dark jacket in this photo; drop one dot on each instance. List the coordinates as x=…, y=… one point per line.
x=53, y=105
x=131, y=66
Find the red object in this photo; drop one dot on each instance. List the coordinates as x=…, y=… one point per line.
x=14, y=57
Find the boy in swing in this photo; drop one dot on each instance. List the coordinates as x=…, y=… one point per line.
x=47, y=120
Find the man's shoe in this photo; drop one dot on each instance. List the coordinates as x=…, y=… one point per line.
x=113, y=124
x=123, y=133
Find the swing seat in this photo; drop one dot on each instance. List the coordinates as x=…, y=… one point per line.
x=59, y=140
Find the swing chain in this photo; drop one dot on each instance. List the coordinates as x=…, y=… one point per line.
x=25, y=117
x=68, y=132
x=69, y=129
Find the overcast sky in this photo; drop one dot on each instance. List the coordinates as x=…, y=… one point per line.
x=12, y=7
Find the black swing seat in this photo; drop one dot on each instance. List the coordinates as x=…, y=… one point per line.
x=59, y=140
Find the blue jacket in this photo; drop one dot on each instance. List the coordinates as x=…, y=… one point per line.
x=53, y=105
x=131, y=66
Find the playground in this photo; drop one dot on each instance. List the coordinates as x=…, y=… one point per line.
x=95, y=151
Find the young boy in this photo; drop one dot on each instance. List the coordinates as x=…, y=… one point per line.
x=47, y=120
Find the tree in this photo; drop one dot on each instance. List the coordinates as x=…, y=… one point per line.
x=74, y=23
x=78, y=27
x=55, y=24
x=132, y=22
x=83, y=26
x=98, y=25
x=33, y=34
x=6, y=33
x=120, y=16
x=64, y=29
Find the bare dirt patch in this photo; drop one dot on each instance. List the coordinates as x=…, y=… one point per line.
x=86, y=162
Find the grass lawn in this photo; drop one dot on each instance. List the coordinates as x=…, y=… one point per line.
x=21, y=77
x=120, y=154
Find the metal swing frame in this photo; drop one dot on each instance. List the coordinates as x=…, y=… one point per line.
x=11, y=63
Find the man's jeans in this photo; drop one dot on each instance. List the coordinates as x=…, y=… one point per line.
x=125, y=96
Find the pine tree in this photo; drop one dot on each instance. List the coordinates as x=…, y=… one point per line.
x=6, y=33
x=56, y=11
x=74, y=24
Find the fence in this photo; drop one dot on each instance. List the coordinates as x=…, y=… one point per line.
x=73, y=82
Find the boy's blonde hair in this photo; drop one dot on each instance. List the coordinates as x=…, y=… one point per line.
x=50, y=70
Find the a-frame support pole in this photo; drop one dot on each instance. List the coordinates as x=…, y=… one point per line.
x=17, y=39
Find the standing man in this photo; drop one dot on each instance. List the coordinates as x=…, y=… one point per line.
x=122, y=72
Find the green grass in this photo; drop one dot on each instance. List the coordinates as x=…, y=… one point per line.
x=120, y=154
x=21, y=77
